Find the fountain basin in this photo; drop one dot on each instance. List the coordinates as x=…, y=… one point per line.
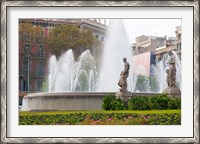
x=63, y=101
x=68, y=101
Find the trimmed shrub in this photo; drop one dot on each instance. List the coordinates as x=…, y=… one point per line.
x=139, y=103
x=103, y=118
x=108, y=102
x=118, y=104
x=174, y=103
x=158, y=102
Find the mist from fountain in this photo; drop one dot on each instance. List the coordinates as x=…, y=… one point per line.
x=68, y=75
x=115, y=49
x=178, y=69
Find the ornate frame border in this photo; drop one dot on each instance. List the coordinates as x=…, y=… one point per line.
x=5, y=4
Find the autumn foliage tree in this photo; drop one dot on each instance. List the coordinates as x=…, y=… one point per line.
x=65, y=37
x=29, y=33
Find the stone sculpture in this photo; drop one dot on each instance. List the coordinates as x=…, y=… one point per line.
x=123, y=91
x=122, y=83
x=171, y=77
x=123, y=76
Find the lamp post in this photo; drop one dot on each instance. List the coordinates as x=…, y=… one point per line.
x=28, y=72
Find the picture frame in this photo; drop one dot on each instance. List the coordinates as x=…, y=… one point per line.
x=5, y=5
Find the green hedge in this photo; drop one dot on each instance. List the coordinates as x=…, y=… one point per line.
x=157, y=102
x=103, y=118
x=113, y=103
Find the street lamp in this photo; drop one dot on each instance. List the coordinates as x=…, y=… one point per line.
x=28, y=71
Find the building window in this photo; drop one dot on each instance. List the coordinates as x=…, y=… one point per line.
x=27, y=34
x=179, y=36
x=39, y=85
x=161, y=43
x=41, y=51
x=178, y=47
x=97, y=36
x=102, y=38
x=25, y=68
x=40, y=69
x=23, y=86
x=27, y=48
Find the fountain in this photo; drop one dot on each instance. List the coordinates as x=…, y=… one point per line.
x=116, y=48
x=158, y=70
x=77, y=85
x=68, y=75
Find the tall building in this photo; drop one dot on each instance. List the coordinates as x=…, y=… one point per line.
x=33, y=58
x=178, y=41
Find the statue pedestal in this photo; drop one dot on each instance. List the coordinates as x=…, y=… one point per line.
x=173, y=92
x=123, y=95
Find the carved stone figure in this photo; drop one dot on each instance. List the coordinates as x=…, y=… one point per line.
x=123, y=91
x=125, y=72
x=122, y=82
x=123, y=76
x=171, y=74
x=172, y=89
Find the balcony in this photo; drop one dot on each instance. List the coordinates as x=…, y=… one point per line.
x=40, y=74
x=27, y=39
x=39, y=55
x=39, y=39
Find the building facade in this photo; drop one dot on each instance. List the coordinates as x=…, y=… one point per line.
x=149, y=49
x=173, y=43
x=33, y=57
x=178, y=41
x=170, y=45
x=147, y=44
x=142, y=63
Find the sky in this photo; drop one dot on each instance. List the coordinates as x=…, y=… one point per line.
x=150, y=27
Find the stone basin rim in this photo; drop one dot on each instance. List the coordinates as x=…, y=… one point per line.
x=79, y=94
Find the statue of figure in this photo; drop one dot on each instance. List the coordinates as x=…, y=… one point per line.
x=123, y=76
x=122, y=83
x=125, y=72
x=171, y=74
x=168, y=77
x=172, y=90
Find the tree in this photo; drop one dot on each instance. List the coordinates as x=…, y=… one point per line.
x=142, y=83
x=29, y=33
x=154, y=83
x=65, y=37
